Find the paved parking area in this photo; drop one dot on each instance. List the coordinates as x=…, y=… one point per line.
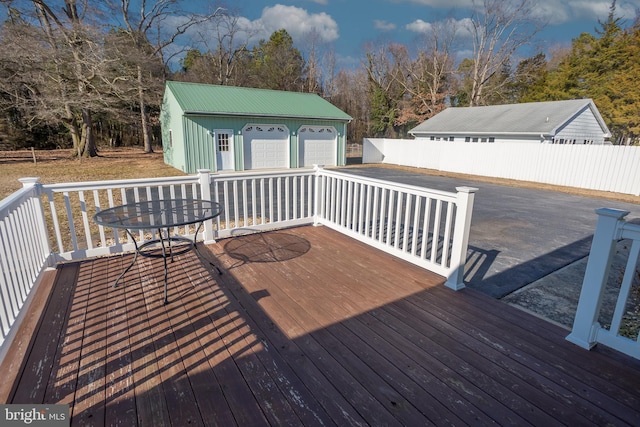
x=518, y=235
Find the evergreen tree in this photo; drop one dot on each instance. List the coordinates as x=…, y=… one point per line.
x=277, y=64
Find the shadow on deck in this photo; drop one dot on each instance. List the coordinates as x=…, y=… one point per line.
x=304, y=327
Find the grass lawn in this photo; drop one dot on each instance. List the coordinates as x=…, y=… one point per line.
x=58, y=166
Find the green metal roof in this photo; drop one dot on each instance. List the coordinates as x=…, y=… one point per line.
x=196, y=98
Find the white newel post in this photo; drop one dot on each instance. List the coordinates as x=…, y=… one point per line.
x=204, y=178
x=319, y=196
x=585, y=324
x=464, y=209
x=42, y=233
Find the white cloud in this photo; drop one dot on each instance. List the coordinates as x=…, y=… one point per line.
x=419, y=26
x=383, y=25
x=297, y=21
x=554, y=12
x=444, y=3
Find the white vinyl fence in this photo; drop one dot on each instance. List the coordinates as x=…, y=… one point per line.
x=595, y=167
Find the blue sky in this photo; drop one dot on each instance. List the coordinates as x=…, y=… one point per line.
x=347, y=25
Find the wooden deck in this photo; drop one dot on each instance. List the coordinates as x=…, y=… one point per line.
x=304, y=327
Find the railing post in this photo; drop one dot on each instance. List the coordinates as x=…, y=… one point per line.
x=204, y=177
x=585, y=324
x=464, y=209
x=319, y=196
x=43, y=233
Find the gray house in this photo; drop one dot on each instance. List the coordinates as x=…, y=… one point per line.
x=237, y=128
x=556, y=122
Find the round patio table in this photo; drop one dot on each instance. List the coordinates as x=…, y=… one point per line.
x=160, y=215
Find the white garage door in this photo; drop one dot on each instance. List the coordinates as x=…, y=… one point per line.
x=318, y=145
x=266, y=147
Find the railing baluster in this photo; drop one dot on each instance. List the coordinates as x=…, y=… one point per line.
x=427, y=243
x=398, y=220
x=289, y=197
x=435, y=240
x=389, y=218
x=236, y=210
x=446, y=241
x=254, y=202
x=227, y=200
x=407, y=221
x=263, y=212
x=416, y=224
x=97, y=208
x=370, y=207
x=245, y=204
x=85, y=219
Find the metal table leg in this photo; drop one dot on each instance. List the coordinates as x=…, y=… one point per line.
x=135, y=256
x=165, y=254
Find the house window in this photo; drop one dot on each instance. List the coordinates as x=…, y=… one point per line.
x=451, y=138
x=474, y=140
x=467, y=139
x=483, y=140
x=223, y=142
x=432, y=138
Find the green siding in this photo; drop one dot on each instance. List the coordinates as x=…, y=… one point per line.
x=171, y=121
x=200, y=151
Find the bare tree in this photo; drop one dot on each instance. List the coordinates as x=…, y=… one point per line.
x=150, y=34
x=52, y=57
x=426, y=80
x=347, y=89
x=232, y=41
x=312, y=50
x=498, y=29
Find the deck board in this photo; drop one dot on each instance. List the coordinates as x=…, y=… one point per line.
x=306, y=327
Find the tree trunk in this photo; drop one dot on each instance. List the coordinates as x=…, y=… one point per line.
x=88, y=140
x=144, y=115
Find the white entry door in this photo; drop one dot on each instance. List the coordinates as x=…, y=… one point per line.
x=318, y=145
x=224, y=149
x=266, y=147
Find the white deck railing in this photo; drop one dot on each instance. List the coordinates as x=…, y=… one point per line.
x=427, y=227
x=43, y=224
x=24, y=252
x=587, y=330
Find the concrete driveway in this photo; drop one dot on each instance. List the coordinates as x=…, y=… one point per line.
x=518, y=235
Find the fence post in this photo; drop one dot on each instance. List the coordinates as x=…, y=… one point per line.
x=464, y=209
x=204, y=178
x=585, y=324
x=317, y=200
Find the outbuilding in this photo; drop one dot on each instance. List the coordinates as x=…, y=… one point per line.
x=575, y=121
x=237, y=128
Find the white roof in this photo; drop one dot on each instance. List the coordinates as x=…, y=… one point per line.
x=533, y=118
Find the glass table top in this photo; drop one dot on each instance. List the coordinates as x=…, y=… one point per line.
x=158, y=213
